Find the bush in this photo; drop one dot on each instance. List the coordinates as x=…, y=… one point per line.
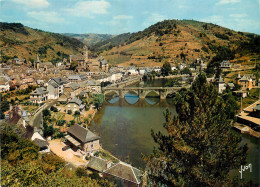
x=54, y=109
x=72, y=122
x=81, y=172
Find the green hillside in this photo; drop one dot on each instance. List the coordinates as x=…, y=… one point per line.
x=177, y=41
x=17, y=40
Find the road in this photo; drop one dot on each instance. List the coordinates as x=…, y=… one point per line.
x=37, y=118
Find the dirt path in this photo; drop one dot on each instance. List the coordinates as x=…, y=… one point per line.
x=68, y=155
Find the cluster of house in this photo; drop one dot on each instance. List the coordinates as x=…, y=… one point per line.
x=84, y=140
x=247, y=82
x=19, y=118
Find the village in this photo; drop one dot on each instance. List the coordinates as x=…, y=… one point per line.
x=53, y=105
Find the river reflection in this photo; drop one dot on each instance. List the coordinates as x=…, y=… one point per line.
x=125, y=125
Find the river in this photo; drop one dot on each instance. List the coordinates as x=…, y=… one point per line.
x=125, y=127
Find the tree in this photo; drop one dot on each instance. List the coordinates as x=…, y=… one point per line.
x=196, y=151
x=48, y=131
x=73, y=65
x=4, y=106
x=72, y=122
x=46, y=112
x=22, y=165
x=54, y=109
x=60, y=122
x=98, y=100
x=69, y=112
x=77, y=116
x=166, y=69
x=186, y=71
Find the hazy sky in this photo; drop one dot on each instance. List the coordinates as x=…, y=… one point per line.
x=120, y=16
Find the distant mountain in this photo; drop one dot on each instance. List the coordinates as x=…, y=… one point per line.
x=90, y=39
x=173, y=41
x=17, y=40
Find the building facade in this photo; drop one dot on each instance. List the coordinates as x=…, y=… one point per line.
x=83, y=139
x=39, y=95
x=55, y=87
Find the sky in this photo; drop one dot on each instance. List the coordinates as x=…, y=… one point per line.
x=121, y=16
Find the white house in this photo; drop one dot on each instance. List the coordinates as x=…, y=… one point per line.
x=116, y=76
x=103, y=78
x=142, y=71
x=55, y=87
x=157, y=68
x=173, y=68
x=41, y=142
x=225, y=64
x=132, y=71
x=181, y=66
x=39, y=95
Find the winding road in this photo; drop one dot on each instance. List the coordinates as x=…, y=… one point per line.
x=37, y=118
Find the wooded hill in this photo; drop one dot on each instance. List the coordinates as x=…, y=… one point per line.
x=17, y=40
x=176, y=41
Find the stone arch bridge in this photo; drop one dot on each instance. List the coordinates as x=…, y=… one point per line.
x=141, y=92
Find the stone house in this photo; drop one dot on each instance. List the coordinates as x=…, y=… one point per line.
x=248, y=81
x=124, y=175
x=70, y=91
x=39, y=95
x=225, y=64
x=98, y=164
x=74, y=105
x=77, y=78
x=83, y=139
x=93, y=86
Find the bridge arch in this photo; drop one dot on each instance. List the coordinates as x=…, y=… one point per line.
x=151, y=91
x=107, y=92
x=130, y=99
x=124, y=92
